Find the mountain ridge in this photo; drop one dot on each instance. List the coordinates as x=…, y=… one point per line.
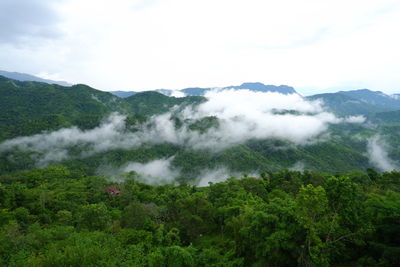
x=24, y=77
x=201, y=91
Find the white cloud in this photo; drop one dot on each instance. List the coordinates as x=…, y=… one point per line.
x=214, y=176
x=379, y=155
x=177, y=93
x=54, y=146
x=159, y=171
x=156, y=172
x=355, y=119
x=298, y=166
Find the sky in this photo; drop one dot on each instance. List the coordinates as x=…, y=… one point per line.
x=313, y=45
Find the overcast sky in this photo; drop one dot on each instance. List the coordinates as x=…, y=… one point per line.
x=313, y=45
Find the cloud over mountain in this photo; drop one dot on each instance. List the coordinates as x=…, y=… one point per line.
x=241, y=116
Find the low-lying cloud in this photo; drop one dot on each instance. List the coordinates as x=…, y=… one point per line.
x=378, y=154
x=162, y=171
x=245, y=115
x=54, y=146
x=214, y=176
x=158, y=171
x=242, y=115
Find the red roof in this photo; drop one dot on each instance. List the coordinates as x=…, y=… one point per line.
x=112, y=190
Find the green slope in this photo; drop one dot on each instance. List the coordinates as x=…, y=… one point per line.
x=150, y=103
x=31, y=107
x=346, y=105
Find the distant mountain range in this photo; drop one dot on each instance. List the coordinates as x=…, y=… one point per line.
x=198, y=91
x=355, y=102
x=361, y=101
x=23, y=77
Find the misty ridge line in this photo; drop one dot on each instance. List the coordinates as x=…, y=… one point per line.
x=242, y=115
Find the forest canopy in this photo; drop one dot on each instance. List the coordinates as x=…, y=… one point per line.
x=61, y=217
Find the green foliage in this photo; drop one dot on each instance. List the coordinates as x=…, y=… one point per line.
x=150, y=103
x=59, y=217
x=93, y=217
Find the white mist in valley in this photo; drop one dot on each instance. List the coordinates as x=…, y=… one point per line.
x=378, y=153
x=242, y=115
x=156, y=172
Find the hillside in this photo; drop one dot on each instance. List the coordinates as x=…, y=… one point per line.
x=357, y=102
x=150, y=103
x=30, y=107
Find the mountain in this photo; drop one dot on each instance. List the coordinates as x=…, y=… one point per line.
x=27, y=77
x=358, y=102
x=386, y=117
x=198, y=91
x=256, y=87
x=28, y=107
x=31, y=107
x=345, y=105
x=376, y=98
x=260, y=87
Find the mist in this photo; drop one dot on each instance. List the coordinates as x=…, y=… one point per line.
x=242, y=115
x=245, y=115
x=298, y=166
x=214, y=176
x=378, y=154
x=156, y=172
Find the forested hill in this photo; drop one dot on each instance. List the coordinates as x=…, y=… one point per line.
x=150, y=103
x=31, y=107
x=362, y=101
